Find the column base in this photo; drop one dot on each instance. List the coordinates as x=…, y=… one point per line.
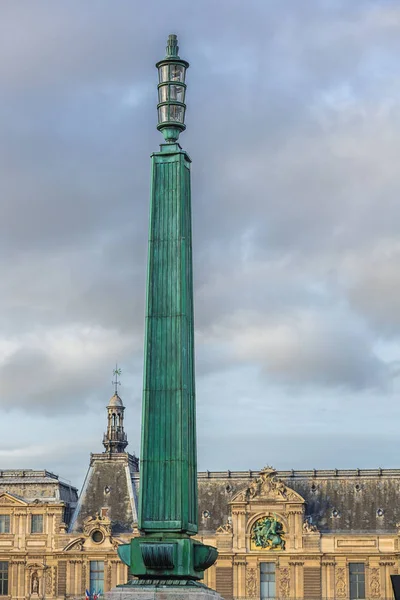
x=146, y=589
x=167, y=558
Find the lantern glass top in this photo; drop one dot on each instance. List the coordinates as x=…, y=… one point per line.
x=171, y=92
x=171, y=72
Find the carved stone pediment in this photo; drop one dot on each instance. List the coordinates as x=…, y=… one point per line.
x=268, y=486
x=9, y=499
x=75, y=545
x=97, y=522
x=35, y=566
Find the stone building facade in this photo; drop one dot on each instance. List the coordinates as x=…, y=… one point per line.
x=302, y=534
x=285, y=535
x=55, y=545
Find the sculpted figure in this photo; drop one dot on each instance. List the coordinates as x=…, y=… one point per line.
x=267, y=533
x=253, y=489
x=35, y=583
x=309, y=527
x=279, y=486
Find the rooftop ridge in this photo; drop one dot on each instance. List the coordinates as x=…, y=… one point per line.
x=28, y=473
x=380, y=472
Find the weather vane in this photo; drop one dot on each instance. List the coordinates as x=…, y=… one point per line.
x=116, y=372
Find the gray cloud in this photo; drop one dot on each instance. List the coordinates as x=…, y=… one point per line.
x=293, y=128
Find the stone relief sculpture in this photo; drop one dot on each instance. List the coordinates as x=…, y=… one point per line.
x=341, y=583
x=267, y=533
x=92, y=523
x=374, y=585
x=251, y=583
x=49, y=583
x=284, y=582
x=268, y=484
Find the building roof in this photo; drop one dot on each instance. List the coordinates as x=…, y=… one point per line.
x=109, y=485
x=115, y=400
x=357, y=501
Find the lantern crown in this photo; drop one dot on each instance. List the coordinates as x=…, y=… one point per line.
x=171, y=92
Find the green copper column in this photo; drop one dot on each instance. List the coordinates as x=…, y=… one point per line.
x=168, y=481
x=168, y=491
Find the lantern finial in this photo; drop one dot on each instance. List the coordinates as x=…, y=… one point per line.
x=172, y=46
x=171, y=92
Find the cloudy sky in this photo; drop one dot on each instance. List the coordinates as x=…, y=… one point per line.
x=293, y=125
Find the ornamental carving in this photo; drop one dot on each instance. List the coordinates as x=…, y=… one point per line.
x=227, y=528
x=268, y=485
x=251, y=583
x=267, y=534
x=75, y=545
x=115, y=543
x=98, y=521
x=341, y=583
x=54, y=581
x=49, y=586
x=284, y=582
x=374, y=584
x=83, y=585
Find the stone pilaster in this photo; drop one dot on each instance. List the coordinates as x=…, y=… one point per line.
x=328, y=579
x=296, y=568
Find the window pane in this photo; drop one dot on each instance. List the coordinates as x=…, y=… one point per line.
x=37, y=524
x=162, y=114
x=177, y=92
x=357, y=581
x=3, y=578
x=267, y=580
x=163, y=93
x=177, y=73
x=176, y=113
x=96, y=577
x=163, y=73
x=4, y=523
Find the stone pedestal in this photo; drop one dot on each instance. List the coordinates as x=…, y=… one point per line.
x=163, y=592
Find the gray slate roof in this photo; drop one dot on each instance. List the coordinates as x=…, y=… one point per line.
x=356, y=495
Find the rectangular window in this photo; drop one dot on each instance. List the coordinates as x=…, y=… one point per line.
x=96, y=577
x=3, y=578
x=357, y=581
x=4, y=523
x=37, y=524
x=267, y=580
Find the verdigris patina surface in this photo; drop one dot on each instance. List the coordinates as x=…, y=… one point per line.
x=267, y=533
x=168, y=483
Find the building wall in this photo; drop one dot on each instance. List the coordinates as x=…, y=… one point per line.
x=314, y=563
x=52, y=563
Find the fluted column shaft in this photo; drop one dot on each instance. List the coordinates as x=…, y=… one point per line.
x=168, y=495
